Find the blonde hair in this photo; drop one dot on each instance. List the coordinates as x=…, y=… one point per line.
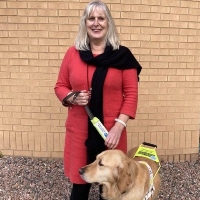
x=82, y=39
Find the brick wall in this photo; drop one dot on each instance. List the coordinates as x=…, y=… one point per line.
x=163, y=35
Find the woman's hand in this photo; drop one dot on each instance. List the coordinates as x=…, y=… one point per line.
x=114, y=136
x=82, y=98
x=115, y=132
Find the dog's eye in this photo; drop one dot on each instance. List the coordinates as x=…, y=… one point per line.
x=100, y=163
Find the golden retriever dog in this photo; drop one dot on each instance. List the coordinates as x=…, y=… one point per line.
x=123, y=177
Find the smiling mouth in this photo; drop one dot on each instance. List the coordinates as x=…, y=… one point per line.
x=96, y=30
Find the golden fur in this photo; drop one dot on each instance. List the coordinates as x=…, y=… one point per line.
x=122, y=176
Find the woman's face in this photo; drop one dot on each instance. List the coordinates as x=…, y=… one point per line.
x=97, y=25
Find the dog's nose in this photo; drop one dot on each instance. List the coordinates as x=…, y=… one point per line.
x=81, y=171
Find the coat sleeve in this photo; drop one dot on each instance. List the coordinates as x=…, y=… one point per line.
x=130, y=90
x=63, y=86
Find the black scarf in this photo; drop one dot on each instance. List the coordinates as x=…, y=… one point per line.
x=120, y=59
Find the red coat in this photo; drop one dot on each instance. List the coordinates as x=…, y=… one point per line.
x=120, y=96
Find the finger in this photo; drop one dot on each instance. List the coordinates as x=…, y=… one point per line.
x=110, y=144
x=84, y=98
x=107, y=141
x=116, y=144
x=85, y=102
x=111, y=147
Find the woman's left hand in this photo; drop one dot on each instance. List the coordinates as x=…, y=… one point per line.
x=114, y=136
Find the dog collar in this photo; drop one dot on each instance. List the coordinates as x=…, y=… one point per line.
x=151, y=186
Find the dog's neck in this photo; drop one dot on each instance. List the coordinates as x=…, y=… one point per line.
x=112, y=192
x=127, y=189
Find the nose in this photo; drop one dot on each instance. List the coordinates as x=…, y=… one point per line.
x=96, y=22
x=81, y=171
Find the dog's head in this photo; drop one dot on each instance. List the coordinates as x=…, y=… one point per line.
x=111, y=167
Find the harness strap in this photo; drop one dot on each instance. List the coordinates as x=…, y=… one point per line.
x=151, y=185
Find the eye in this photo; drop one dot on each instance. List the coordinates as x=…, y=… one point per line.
x=101, y=18
x=100, y=163
x=91, y=18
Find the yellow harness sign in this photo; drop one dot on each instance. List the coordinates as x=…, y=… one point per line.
x=147, y=153
x=150, y=153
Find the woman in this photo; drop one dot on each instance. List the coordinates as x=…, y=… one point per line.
x=106, y=74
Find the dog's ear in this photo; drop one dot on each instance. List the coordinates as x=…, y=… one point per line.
x=126, y=175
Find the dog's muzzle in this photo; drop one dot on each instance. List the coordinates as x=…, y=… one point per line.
x=81, y=171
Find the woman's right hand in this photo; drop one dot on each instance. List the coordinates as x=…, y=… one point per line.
x=82, y=98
